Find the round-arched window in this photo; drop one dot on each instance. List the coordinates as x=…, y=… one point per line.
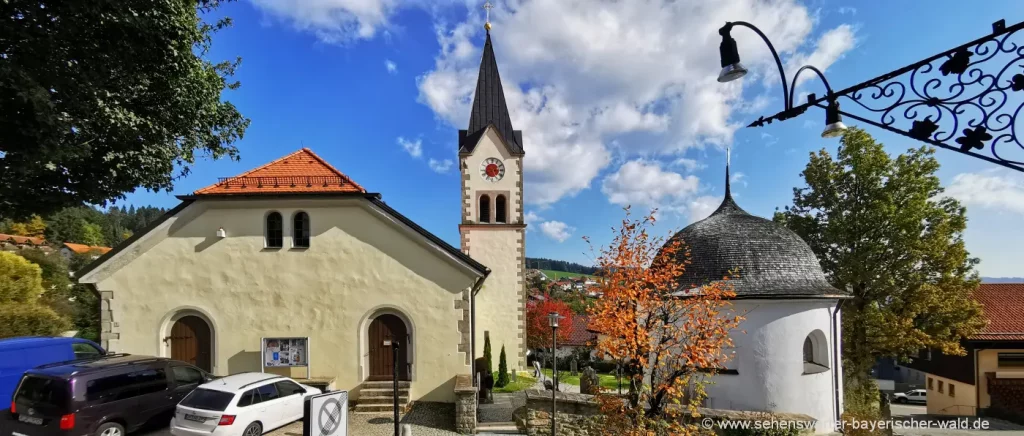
x=815, y=353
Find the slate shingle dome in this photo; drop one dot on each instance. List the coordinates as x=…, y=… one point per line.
x=773, y=261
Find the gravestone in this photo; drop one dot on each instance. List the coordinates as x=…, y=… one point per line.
x=573, y=365
x=515, y=375
x=589, y=382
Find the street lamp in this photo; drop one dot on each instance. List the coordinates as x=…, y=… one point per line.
x=553, y=318
x=732, y=69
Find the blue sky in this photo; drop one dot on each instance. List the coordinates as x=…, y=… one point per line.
x=617, y=101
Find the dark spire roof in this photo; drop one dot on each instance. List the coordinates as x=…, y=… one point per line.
x=772, y=261
x=489, y=107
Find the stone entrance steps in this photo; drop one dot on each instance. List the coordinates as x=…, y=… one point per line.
x=493, y=428
x=379, y=397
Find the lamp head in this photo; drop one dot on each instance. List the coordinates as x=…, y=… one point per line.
x=834, y=126
x=732, y=69
x=553, y=318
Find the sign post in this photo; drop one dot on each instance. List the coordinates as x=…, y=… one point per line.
x=284, y=352
x=326, y=414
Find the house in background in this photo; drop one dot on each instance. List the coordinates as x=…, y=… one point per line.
x=15, y=242
x=988, y=380
x=69, y=249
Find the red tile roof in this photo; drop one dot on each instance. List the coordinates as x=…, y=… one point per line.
x=21, y=240
x=580, y=335
x=83, y=249
x=1003, y=307
x=302, y=172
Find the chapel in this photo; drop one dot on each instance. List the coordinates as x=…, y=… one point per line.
x=787, y=355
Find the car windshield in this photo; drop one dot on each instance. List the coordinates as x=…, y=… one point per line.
x=208, y=399
x=43, y=393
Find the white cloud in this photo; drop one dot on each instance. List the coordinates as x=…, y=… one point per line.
x=531, y=218
x=989, y=189
x=579, y=75
x=391, y=66
x=414, y=148
x=701, y=207
x=691, y=165
x=645, y=183
x=830, y=48
x=847, y=10
x=333, y=21
x=737, y=179
x=440, y=166
x=556, y=230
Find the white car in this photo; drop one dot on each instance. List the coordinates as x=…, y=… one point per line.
x=914, y=396
x=247, y=404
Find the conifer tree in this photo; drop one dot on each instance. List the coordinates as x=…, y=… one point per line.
x=502, y=369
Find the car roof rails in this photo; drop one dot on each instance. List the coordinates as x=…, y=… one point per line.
x=82, y=360
x=269, y=377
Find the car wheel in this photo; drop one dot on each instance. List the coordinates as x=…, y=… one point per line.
x=254, y=429
x=110, y=429
x=901, y=400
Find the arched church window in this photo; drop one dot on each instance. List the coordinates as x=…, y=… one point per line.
x=815, y=353
x=500, y=210
x=484, y=209
x=300, y=230
x=274, y=232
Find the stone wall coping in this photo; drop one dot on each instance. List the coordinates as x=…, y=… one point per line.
x=562, y=397
x=464, y=384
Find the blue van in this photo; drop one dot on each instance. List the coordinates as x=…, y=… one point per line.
x=18, y=355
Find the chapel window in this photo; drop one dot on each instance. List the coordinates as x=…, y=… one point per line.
x=300, y=230
x=484, y=211
x=500, y=209
x=815, y=353
x=274, y=232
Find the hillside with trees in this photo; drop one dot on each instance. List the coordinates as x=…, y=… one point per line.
x=558, y=265
x=85, y=225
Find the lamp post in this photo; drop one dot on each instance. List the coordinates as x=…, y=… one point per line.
x=394, y=359
x=962, y=99
x=732, y=69
x=553, y=318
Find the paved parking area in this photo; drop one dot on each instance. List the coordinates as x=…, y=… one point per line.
x=919, y=414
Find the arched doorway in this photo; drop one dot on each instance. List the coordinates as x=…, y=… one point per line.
x=190, y=341
x=384, y=331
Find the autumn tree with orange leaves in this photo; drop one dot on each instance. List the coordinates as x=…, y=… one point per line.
x=673, y=337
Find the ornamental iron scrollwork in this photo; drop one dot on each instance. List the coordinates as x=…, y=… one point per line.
x=968, y=99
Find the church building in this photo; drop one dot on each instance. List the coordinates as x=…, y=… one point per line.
x=294, y=268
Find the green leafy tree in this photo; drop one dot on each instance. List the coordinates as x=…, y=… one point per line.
x=884, y=232
x=487, y=353
x=69, y=224
x=502, y=370
x=21, y=312
x=100, y=98
x=92, y=234
x=34, y=227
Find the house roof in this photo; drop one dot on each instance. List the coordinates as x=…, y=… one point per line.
x=773, y=261
x=489, y=108
x=302, y=172
x=1003, y=306
x=83, y=249
x=22, y=240
x=580, y=335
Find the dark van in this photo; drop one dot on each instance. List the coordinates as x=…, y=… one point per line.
x=103, y=396
x=20, y=354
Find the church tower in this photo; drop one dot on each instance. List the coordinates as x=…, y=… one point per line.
x=492, y=229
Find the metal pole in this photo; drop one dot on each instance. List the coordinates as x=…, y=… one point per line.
x=394, y=358
x=554, y=376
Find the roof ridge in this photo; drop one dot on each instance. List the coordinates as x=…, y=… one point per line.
x=302, y=153
x=199, y=191
x=332, y=168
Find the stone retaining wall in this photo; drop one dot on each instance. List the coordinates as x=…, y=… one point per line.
x=465, y=404
x=575, y=414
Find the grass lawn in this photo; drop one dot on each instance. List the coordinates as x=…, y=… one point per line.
x=608, y=381
x=556, y=275
x=522, y=383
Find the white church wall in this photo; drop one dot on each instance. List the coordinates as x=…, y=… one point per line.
x=769, y=361
x=357, y=264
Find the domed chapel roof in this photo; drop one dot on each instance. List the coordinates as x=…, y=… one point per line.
x=772, y=261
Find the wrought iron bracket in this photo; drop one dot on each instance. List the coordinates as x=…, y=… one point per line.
x=967, y=99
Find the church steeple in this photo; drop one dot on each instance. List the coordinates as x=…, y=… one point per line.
x=489, y=106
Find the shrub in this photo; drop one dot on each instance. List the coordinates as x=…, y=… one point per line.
x=20, y=319
x=487, y=353
x=21, y=313
x=502, y=370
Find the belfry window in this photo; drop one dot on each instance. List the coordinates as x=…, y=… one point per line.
x=484, y=209
x=274, y=232
x=500, y=210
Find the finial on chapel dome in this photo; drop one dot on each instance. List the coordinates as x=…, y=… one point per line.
x=728, y=159
x=487, y=23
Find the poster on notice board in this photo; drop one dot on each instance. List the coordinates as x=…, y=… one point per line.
x=279, y=352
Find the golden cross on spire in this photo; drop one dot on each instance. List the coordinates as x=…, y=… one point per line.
x=487, y=8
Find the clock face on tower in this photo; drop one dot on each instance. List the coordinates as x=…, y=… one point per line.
x=492, y=170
